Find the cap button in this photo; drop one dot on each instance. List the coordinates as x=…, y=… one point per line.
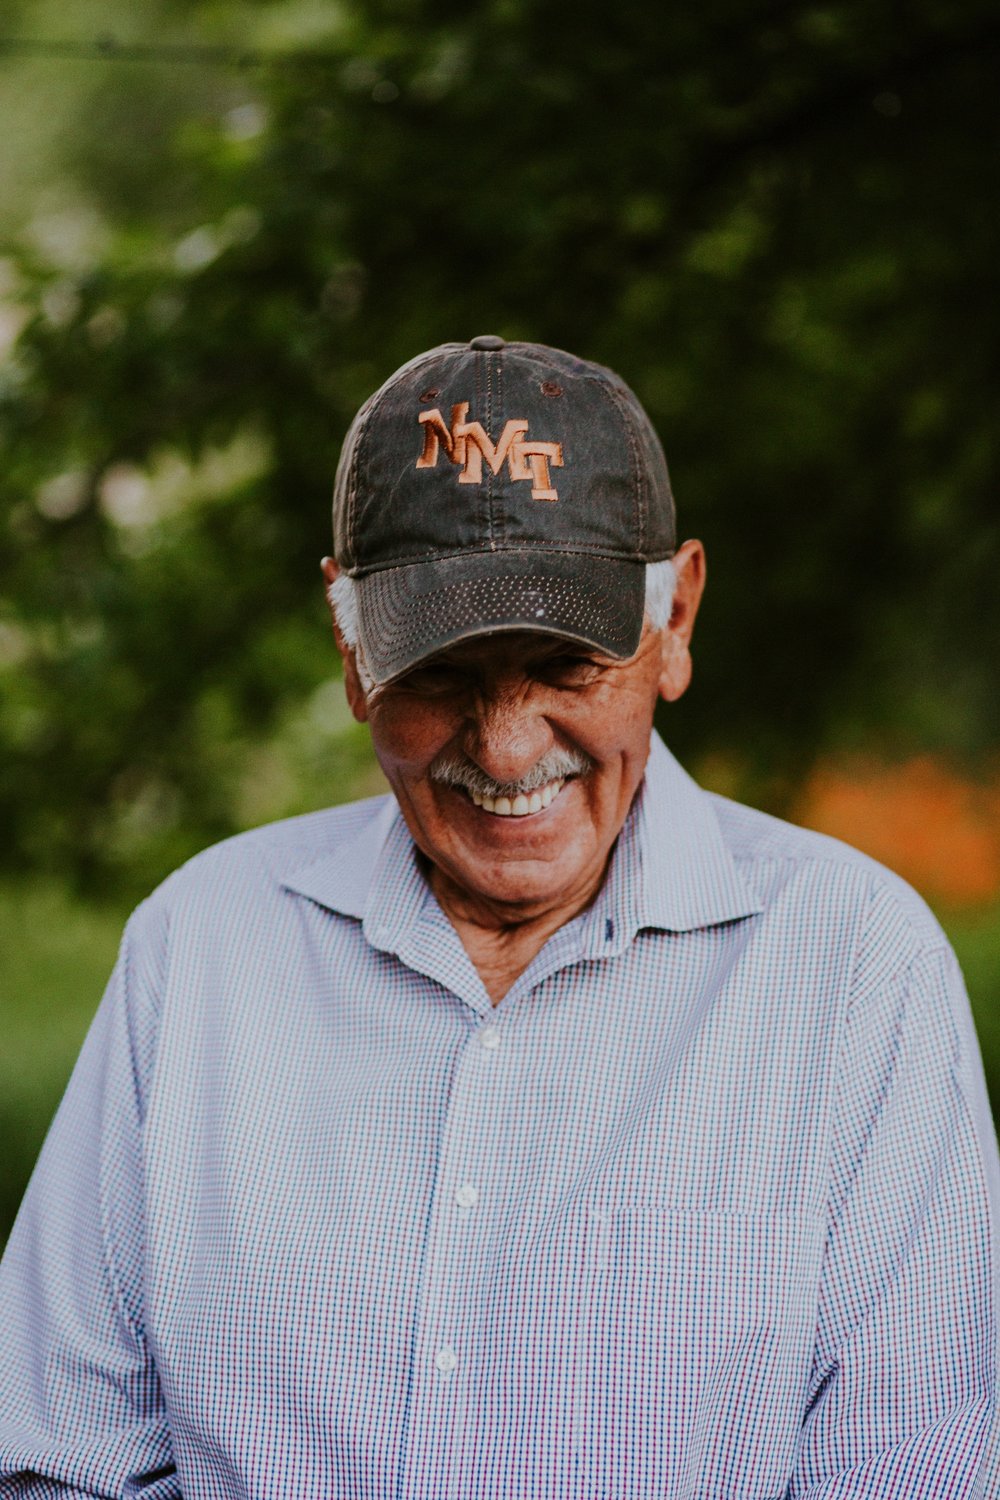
x=487, y=341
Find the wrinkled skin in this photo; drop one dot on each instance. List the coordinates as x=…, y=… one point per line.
x=504, y=701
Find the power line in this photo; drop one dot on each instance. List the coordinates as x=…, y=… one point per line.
x=107, y=48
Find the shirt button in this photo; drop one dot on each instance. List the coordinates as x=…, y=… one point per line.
x=467, y=1196
x=446, y=1359
x=489, y=1038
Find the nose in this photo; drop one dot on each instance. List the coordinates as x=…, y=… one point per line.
x=508, y=731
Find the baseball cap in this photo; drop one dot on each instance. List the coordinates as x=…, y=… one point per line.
x=494, y=486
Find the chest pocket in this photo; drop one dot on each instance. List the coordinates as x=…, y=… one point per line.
x=694, y=1351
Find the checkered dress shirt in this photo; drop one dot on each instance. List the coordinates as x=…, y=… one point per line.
x=704, y=1209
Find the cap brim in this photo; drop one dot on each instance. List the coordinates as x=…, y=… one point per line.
x=407, y=614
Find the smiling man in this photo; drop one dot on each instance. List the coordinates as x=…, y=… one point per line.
x=514, y=759
x=548, y=1129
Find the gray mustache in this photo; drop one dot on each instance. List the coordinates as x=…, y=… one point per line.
x=456, y=770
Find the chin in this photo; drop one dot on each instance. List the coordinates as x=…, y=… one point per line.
x=515, y=888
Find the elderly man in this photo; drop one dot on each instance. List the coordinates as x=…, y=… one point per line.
x=548, y=1129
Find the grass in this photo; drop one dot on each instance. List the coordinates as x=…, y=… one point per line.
x=55, y=957
x=975, y=936
x=56, y=953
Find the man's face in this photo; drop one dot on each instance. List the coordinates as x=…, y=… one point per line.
x=515, y=758
x=503, y=706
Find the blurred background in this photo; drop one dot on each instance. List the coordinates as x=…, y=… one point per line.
x=222, y=225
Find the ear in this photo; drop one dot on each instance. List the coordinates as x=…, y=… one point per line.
x=675, y=669
x=356, y=696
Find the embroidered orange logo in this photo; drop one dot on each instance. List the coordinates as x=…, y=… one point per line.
x=467, y=444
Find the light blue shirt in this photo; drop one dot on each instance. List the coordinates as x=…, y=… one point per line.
x=704, y=1209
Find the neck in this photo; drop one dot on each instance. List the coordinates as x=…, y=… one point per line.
x=500, y=938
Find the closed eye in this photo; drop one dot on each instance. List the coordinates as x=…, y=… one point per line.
x=569, y=669
x=433, y=679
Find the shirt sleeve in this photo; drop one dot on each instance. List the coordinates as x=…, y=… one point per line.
x=903, y=1393
x=81, y=1412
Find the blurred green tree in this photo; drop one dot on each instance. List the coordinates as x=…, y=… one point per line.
x=776, y=220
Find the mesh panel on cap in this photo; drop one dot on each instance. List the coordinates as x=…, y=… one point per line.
x=399, y=627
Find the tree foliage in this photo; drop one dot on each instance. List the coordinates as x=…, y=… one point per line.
x=776, y=220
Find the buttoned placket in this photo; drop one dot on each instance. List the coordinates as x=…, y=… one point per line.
x=458, y=1227
x=463, y=1215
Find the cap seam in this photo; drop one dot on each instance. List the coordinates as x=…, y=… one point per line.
x=498, y=513
x=490, y=485
x=557, y=549
x=352, y=491
x=607, y=388
x=378, y=400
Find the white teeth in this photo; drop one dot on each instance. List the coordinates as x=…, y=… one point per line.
x=522, y=804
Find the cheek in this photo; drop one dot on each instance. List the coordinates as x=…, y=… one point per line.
x=407, y=735
x=616, y=723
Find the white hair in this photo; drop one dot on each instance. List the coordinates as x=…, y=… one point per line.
x=661, y=582
x=343, y=596
x=661, y=585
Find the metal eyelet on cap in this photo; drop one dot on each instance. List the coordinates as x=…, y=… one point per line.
x=487, y=341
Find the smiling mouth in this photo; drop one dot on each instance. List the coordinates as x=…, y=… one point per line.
x=523, y=804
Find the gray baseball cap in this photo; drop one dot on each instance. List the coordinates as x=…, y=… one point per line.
x=496, y=486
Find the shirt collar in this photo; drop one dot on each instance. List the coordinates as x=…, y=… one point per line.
x=687, y=875
x=350, y=878
x=671, y=868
